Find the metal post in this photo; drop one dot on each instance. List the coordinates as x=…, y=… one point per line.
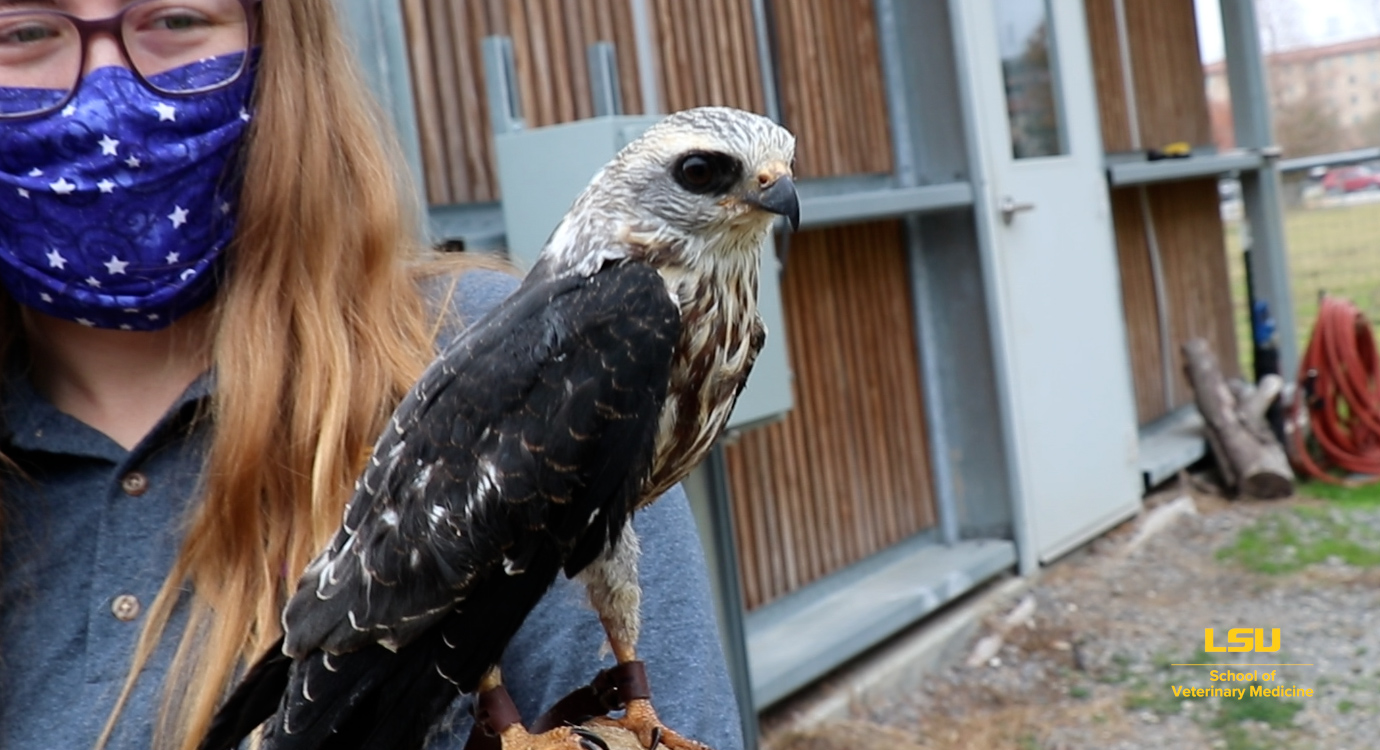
x=898, y=107
x=603, y=79
x=731, y=593
x=500, y=80
x=907, y=175
x=1028, y=561
x=766, y=58
x=376, y=27
x=1261, y=193
x=644, y=38
x=931, y=379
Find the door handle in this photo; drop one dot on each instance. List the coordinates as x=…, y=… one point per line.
x=1009, y=208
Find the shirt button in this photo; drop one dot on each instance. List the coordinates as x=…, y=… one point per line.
x=134, y=484
x=125, y=607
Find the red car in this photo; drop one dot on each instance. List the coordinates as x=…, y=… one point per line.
x=1350, y=180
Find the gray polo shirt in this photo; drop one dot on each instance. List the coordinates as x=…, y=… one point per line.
x=91, y=530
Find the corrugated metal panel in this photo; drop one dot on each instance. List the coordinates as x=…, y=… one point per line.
x=830, y=75
x=832, y=91
x=1168, y=75
x=1192, y=249
x=1171, y=105
x=846, y=473
x=550, y=40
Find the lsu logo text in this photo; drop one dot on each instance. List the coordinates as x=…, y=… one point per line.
x=1243, y=639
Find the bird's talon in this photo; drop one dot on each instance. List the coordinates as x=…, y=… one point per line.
x=656, y=738
x=589, y=740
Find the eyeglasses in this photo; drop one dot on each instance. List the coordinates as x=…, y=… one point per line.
x=175, y=47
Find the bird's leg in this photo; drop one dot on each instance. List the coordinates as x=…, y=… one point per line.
x=616, y=596
x=496, y=714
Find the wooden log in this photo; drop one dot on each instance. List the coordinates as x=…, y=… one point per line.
x=1251, y=459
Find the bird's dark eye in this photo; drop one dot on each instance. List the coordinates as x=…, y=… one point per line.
x=707, y=173
x=696, y=172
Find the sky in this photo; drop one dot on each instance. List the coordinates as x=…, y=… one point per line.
x=1302, y=22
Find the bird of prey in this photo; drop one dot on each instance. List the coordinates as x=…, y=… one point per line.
x=525, y=448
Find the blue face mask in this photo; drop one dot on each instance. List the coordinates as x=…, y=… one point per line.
x=116, y=210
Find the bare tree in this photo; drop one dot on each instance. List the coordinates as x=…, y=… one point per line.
x=1308, y=125
x=1280, y=24
x=1306, y=120
x=1367, y=133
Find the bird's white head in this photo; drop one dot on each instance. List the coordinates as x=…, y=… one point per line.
x=702, y=181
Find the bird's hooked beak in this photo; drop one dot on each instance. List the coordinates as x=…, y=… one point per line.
x=776, y=194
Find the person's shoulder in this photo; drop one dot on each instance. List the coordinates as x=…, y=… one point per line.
x=462, y=290
x=479, y=290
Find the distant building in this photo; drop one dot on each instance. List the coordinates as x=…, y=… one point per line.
x=1346, y=76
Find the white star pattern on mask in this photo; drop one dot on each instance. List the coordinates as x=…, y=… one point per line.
x=35, y=172
x=23, y=193
x=106, y=186
x=46, y=297
x=69, y=110
x=166, y=112
x=153, y=316
x=126, y=327
x=225, y=208
x=173, y=258
x=244, y=114
x=55, y=260
x=93, y=282
x=133, y=162
x=108, y=146
x=62, y=186
x=178, y=216
x=87, y=323
x=116, y=266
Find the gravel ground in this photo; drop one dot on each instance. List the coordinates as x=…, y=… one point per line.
x=1093, y=666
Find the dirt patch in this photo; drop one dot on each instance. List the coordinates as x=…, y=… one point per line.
x=1114, y=634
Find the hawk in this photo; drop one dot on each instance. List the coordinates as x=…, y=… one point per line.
x=526, y=446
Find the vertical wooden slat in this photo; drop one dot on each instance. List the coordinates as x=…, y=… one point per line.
x=846, y=473
x=1193, y=255
x=428, y=113
x=1171, y=104
x=448, y=99
x=831, y=85
x=1167, y=73
x=624, y=40
x=745, y=526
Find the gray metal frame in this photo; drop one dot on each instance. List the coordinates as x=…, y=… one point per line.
x=1261, y=193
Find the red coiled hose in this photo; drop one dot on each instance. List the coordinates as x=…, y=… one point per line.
x=1339, y=385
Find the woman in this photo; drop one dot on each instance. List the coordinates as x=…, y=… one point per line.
x=210, y=300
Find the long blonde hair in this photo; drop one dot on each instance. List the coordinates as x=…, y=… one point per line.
x=318, y=330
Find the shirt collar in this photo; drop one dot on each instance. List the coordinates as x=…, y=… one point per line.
x=30, y=422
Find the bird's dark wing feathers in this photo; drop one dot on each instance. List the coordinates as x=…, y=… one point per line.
x=510, y=442
x=520, y=451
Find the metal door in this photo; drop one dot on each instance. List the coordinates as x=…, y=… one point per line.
x=1047, y=216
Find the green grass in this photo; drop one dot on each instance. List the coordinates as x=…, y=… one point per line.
x=1238, y=739
x=1286, y=542
x=1157, y=699
x=1277, y=714
x=1273, y=711
x=1120, y=671
x=1346, y=707
x=1366, y=496
x=1336, y=250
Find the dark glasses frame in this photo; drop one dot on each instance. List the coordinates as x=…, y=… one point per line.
x=114, y=26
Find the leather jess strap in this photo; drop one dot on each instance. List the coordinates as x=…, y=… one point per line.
x=610, y=691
